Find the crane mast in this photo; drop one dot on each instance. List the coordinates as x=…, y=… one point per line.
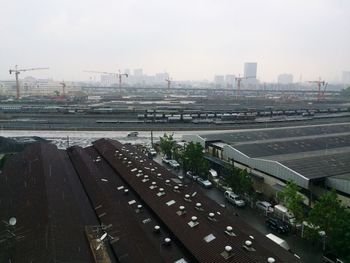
x=17, y=71
x=238, y=81
x=119, y=75
x=320, y=83
x=63, y=88
x=168, y=80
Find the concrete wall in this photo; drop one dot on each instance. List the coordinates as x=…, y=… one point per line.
x=340, y=184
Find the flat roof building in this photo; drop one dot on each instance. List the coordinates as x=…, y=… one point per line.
x=314, y=157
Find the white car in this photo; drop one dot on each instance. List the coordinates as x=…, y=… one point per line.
x=204, y=183
x=174, y=164
x=165, y=160
x=234, y=199
x=152, y=151
x=263, y=205
x=133, y=134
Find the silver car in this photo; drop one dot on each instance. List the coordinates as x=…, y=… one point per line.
x=265, y=206
x=234, y=199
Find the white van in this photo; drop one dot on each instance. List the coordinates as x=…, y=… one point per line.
x=279, y=241
x=283, y=213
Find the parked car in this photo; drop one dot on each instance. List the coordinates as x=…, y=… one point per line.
x=204, y=183
x=174, y=164
x=234, y=199
x=277, y=225
x=152, y=151
x=165, y=160
x=213, y=173
x=265, y=206
x=192, y=176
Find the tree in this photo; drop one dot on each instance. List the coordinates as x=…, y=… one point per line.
x=245, y=182
x=331, y=216
x=177, y=154
x=193, y=159
x=230, y=176
x=238, y=180
x=203, y=168
x=167, y=144
x=293, y=200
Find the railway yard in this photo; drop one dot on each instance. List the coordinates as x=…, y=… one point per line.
x=170, y=113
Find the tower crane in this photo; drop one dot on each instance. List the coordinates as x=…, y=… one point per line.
x=169, y=81
x=63, y=88
x=238, y=81
x=320, y=83
x=17, y=72
x=118, y=74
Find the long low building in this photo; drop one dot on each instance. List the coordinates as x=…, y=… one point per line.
x=110, y=203
x=317, y=158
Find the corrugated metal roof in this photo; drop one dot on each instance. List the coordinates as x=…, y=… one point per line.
x=40, y=188
x=131, y=228
x=54, y=196
x=127, y=161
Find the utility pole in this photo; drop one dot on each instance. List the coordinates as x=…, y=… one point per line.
x=152, y=138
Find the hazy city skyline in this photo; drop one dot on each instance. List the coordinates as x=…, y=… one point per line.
x=191, y=40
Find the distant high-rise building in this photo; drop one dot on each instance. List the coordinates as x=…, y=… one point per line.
x=219, y=80
x=346, y=77
x=250, y=69
x=138, y=72
x=285, y=78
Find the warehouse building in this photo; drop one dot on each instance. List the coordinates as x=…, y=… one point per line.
x=317, y=158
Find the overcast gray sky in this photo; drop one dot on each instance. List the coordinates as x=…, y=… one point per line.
x=190, y=39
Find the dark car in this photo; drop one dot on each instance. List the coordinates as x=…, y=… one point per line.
x=277, y=225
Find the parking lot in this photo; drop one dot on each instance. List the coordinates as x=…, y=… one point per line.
x=256, y=218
